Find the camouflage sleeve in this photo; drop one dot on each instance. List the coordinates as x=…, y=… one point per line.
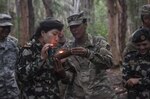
x=9, y=86
x=10, y=59
x=101, y=56
x=126, y=71
x=28, y=64
x=145, y=80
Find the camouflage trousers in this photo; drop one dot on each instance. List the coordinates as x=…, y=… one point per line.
x=133, y=94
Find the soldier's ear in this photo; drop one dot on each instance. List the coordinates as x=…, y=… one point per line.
x=42, y=33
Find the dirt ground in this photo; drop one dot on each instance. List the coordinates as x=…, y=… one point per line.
x=115, y=77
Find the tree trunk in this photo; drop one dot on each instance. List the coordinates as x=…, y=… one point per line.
x=31, y=18
x=24, y=22
x=48, y=7
x=113, y=15
x=122, y=29
x=17, y=21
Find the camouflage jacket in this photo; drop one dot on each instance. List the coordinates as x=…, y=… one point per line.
x=8, y=57
x=137, y=66
x=36, y=76
x=90, y=76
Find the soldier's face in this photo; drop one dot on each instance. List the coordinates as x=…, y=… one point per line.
x=51, y=37
x=146, y=19
x=143, y=47
x=78, y=31
x=4, y=32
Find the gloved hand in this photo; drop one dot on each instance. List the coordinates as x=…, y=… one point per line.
x=81, y=51
x=63, y=53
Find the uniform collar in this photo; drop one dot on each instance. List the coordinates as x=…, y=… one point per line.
x=88, y=42
x=138, y=54
x=35, y=43
x=3, y=43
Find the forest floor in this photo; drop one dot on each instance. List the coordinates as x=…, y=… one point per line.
x=115, y=77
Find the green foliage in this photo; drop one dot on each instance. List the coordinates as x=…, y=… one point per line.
x=39, y=11
x=61, y=10
x=100, y=25
x=133, y=13
x=3, y=6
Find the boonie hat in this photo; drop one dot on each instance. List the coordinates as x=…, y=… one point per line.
x=76, y=19
x=5, y=20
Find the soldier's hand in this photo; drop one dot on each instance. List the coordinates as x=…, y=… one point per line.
x=59, y=68
x=44, y=51
x=81, y=51
x=63, y=53
x=133, y=81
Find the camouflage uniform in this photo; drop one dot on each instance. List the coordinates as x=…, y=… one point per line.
x=8, y=57
x=13, y=39
x=137, y=66
x=37, y=77
x=89, y=80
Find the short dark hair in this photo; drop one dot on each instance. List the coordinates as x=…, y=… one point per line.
x=47, y=25
x=140, y=35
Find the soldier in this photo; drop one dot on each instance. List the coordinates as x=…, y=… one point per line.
x=62, y=38
x=87, y=64
x=8, y=56
x=38, y=71
x=145, y=18
x=136, y=67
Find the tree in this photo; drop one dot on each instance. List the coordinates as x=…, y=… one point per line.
x=122, y=24
x=26, y=20
x=48, y=7
x=31, y=17
x=88, y=7
x=134, y=20
x=117, y=28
